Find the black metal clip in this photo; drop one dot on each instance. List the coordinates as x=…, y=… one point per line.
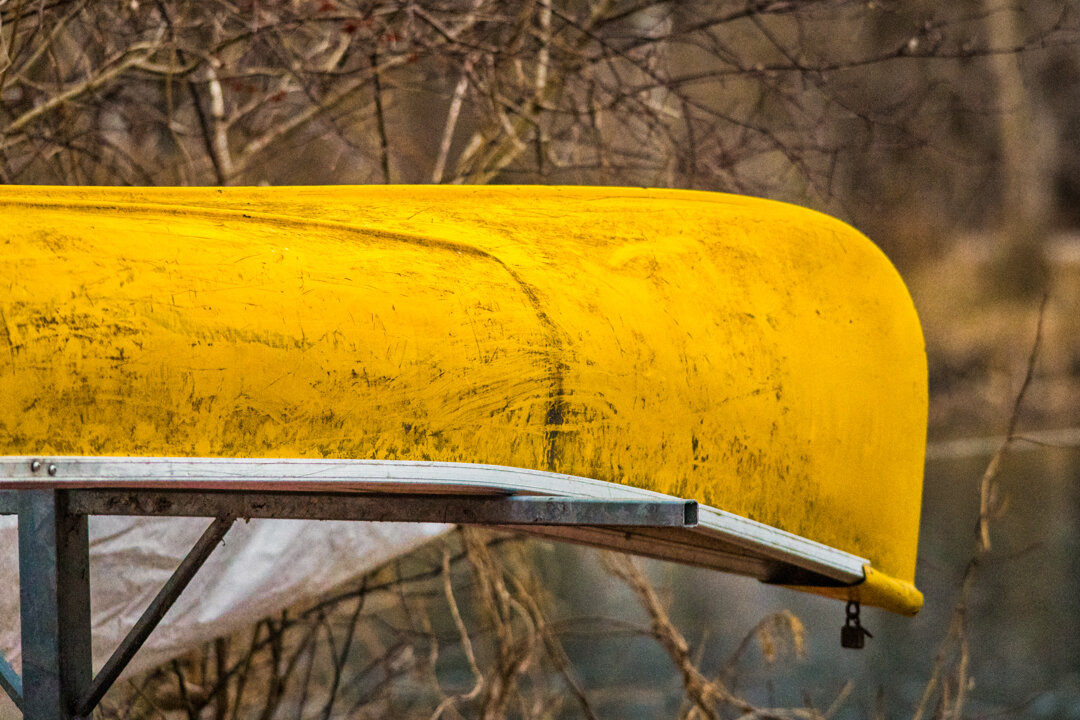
x=853, y=635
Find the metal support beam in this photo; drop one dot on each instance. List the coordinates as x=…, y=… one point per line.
x=54, y=593
x=395, y=507
x=153, y=614
x=11, y=682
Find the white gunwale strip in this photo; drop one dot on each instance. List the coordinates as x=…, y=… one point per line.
x=405, y=476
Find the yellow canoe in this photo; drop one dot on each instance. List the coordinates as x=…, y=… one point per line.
x=760, y=358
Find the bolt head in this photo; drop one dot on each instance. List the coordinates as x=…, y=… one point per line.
x=52, y=469
x=35, y=465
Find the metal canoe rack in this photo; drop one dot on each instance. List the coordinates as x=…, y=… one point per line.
x=53, y=498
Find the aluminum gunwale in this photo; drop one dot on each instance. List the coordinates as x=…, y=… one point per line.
x=410, y=477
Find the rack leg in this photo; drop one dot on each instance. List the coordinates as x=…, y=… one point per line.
x=54, y=585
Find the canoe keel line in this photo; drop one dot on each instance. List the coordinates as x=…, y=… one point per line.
x=721, y=381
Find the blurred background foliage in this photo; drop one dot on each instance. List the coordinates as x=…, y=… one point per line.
x=949, y=132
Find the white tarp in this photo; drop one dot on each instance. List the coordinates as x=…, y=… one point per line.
x=262, y=567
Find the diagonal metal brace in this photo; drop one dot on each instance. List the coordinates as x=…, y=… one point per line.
x=11, y=682
x=153, y=614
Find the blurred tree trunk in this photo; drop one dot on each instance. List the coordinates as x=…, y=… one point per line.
x=1027, y=146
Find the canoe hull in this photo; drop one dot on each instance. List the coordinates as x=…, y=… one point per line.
x=759, y=358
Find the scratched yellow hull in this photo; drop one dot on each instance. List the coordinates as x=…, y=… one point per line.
x=758, y=357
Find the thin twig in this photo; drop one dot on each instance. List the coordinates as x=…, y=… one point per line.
x=466, y=645
x=380, y=120
x=956, y=637
x=451, y=121
x=986, y=483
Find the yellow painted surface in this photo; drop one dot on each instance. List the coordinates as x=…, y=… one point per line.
x=877, y=590
x=758, y=357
